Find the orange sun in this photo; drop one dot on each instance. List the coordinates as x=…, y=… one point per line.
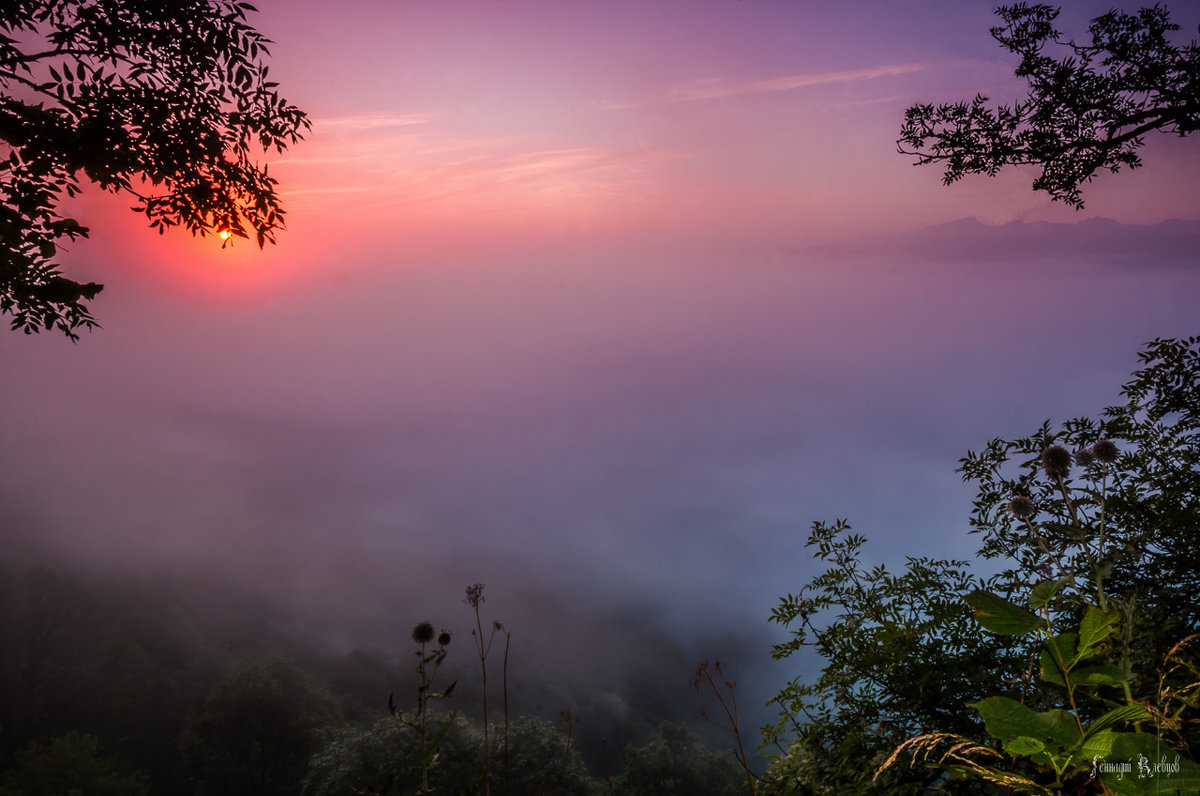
x=225, y=234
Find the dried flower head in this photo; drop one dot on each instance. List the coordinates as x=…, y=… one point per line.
x=1056, y=461
x=444, y=638
x=1106, y=451
x=474, y=595
x=1084, y=457
x=1022, y=507
x=422, y=632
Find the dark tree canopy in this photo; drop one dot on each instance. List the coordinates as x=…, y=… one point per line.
x=901, y=652
x=1085, y=112
x=165, y=100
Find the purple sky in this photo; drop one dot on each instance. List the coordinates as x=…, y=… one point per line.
x=549, y=315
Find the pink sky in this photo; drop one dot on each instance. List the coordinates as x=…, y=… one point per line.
x=544, y=315
x=520, y=123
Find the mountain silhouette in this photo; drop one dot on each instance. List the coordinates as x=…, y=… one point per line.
x=1175, y=242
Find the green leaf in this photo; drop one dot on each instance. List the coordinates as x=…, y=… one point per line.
x=1065, y=645
x=1096, y=626
x=1117, y=716
x=1024, y=746
x=1000, y=616
x=1157, y=768
x=1095, y=745
x=1104, y=674
x=1044, y=592
x=1006, y=719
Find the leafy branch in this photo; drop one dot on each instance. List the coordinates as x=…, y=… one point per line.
x=1085, y=112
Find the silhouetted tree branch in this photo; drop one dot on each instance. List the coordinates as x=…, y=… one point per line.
x=1085, y=112
x=164, y=101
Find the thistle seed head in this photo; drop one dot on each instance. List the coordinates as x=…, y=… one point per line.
x=1056, y=461
x=422, y=632
x=1084, y=457
x=1022, y=507
x=1106, y=451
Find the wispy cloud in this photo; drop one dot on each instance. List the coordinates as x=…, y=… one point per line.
x=717, y=89
x=371, y=121
x=383, y=173
x=522, y=175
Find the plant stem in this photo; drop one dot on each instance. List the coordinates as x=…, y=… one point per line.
x=507, y=639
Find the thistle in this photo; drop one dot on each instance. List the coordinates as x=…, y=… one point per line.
x=1022, y=507
x=1056, y=462
x=1105, y=451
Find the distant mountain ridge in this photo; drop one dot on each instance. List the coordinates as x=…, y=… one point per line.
x=1174, y=241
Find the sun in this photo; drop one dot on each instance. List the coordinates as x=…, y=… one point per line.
x=225, y=234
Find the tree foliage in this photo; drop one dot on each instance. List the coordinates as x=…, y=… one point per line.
x=674, y=761
x=1085, y=696
x=258, y=728
x=166, y=102
x=1092, y=524
x=900, y=654
x=68, y=764
x=385, y=758
x=1086, y=111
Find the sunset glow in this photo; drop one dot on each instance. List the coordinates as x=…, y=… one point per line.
x=602, y=304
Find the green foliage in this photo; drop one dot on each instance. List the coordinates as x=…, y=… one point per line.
x=1052, y=749
x=1086, y=111
x=1129, y=525
x=258, y=728
x=541, y=760
x=1077, y=651
x=385, y=759
x=675, y=762
x=1069, y=718
x=899, y=652
x=166, y=102
x=1000, y=616
x=69, y=764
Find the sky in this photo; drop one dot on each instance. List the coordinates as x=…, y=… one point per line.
x=600, y=304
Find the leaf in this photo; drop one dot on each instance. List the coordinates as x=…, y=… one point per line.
x=1096, y=626
x=1104, y=674
x=1096, y=745
x=1000, y=616
x=1117, y=716
x=1061, y=647
x=1006, y=719
x=1157, y=768
x=1026, y=747
x=1044, y=592
x=1070, y=531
